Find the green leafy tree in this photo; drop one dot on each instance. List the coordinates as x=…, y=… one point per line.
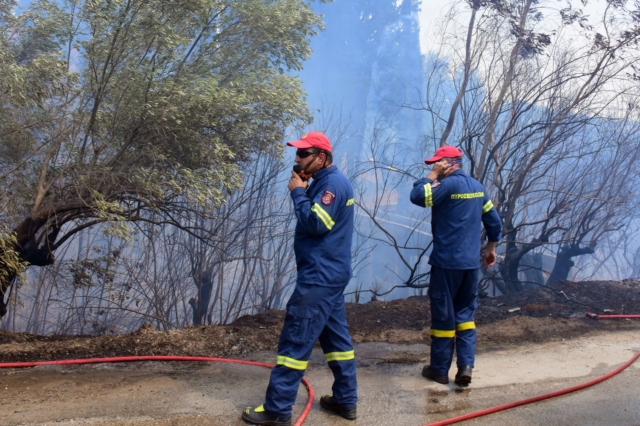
x=122, y=111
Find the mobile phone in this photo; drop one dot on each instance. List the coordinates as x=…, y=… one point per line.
x=298, y=170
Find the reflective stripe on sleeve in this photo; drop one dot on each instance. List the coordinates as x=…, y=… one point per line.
x=292, y=363
x=442, y=333
x=340, y=356
x=466, y=326
x=350, y=202
x=467, y=196
x=487, y=207
x=428, y=195
x=323, y=216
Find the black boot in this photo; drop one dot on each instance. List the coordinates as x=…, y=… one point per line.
x=432, y=375
x=257, y=416
x=463, y=377
x=328, y=403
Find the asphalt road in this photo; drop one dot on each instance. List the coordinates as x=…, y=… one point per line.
x=392, y=391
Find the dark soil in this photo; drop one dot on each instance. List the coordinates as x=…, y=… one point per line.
x=536, y=315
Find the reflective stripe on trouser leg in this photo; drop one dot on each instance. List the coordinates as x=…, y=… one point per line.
x=338, y=349
x=308, y=311
x=442, y=344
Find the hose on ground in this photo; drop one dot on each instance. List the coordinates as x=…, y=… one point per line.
x=547, y=395
x=307, y=408
x=163, y=358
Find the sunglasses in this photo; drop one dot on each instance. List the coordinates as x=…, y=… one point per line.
x=304, y=154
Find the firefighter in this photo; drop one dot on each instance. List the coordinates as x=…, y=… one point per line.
x=459, y=207
x=322, y=245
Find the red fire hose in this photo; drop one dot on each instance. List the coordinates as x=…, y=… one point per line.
x=548, y=395
x=301, y=419
x=307, y=408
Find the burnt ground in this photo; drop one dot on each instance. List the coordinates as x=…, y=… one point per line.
x=533, y=316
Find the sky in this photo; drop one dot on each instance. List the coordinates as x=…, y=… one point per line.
x=434, y=10
x=430, y=12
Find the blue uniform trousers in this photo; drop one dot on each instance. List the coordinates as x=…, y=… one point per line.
x=454, y=298
x=313, y=312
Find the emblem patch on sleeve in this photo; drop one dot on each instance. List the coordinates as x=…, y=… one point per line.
x=327, y=197
x=435, y=184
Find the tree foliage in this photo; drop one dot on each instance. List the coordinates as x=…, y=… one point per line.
x=121, y=111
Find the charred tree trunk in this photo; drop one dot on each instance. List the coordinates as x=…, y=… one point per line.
x=34, y=245
x=5, y=284
x=509, y=270
x=531, y=265
x=511, y=264
x=635, y=271
x=200, y=303
x=563, y=263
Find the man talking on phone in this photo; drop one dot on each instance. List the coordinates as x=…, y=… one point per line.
x=322, y=245
x=459, y=207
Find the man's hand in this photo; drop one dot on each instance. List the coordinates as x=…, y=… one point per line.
x=489, y=257
x=296, y=182
x=439, y=170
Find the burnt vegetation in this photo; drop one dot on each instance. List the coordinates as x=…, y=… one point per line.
x=143, y=181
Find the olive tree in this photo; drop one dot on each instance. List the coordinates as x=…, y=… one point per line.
x=122, y=111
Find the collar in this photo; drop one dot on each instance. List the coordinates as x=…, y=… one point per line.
x=457, y=173
x=323, y=172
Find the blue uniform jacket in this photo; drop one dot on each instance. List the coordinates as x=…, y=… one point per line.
x=323, y=234
x=460, y=206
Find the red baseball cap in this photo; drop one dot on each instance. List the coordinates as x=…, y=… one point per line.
x=312, y=139
x=444, y=152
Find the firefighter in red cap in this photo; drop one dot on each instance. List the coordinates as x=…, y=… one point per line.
x=459, y=207
x=315, y=311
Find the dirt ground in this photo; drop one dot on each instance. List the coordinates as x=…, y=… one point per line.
x=393, y=334
x=533, y=316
